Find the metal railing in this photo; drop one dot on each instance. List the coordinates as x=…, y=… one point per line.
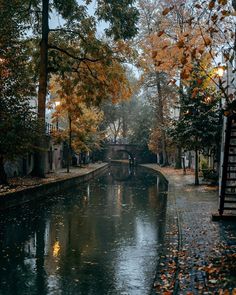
x=50, y=128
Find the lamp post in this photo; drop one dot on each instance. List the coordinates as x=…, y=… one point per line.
x=57, y=103
x=69, y=143
x=220, y=74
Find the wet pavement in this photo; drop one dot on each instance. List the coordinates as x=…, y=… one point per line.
x=199, y=255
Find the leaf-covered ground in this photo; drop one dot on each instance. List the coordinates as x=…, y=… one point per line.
x=198, y=254
x=21, y=183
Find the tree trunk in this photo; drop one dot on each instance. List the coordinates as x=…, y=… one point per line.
x=178, y=158
x=196, y=168
x=43, y=70
x=160, y=118
x=164, y=149
x=3, y=175
x=69, y=152
x=39, y=157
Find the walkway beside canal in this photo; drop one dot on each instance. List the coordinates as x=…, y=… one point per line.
x=199, y=255
x=25, y=189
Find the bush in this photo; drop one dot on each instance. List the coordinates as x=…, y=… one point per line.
x=210, y=174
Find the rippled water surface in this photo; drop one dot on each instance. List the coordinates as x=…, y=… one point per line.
x=102, y=237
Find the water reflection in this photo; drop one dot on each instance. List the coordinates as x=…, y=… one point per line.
x=101, y=238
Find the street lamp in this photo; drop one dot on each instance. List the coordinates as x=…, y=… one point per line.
x=220, y=72
x=69, y=143
x=57, y=103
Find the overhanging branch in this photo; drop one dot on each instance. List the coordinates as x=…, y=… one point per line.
x=81, y=59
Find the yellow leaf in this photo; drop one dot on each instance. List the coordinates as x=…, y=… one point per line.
x=222, y=2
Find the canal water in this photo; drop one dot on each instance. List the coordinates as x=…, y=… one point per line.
x=102, y=237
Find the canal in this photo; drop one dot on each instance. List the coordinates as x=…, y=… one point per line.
x=102, y=237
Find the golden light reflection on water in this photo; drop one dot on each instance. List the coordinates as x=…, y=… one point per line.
x=56, y=249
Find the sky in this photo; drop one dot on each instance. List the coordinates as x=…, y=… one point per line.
x=56, y=20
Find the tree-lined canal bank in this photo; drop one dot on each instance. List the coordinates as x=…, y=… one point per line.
x=30, y=189
x=101, y=237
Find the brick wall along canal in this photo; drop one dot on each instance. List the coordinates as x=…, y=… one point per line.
x=102, y=237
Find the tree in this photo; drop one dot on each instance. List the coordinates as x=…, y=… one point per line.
x=80, y=129
x=188, y=33
x=17, y=118
x=79, y=27
x=112, y=120
x=199, y=127
x=179, y=34
x=155, y=80
x=80, y=95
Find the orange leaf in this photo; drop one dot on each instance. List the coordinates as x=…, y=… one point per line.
x=180, y=43
x=160, y=33
x=199, y=81
x=226, y=56
x=189, y=21
x=193, y=53
x=184, y=60
x=195, y=92
x=211, y=4
x=214, y=17
x=225, y=12
x=166, y=10
x=207, y=41
x=184, y=75
x=201, y=51
x=223, y=2
x=154, y=54
x=158, y=63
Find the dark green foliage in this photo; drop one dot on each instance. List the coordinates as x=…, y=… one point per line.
x=199, y=125
x=66, y=8
x=17, y=119
x=121, y=15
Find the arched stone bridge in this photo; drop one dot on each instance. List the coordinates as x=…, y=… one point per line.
x=123, y=151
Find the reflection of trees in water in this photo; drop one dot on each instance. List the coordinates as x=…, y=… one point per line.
x=25, y=242
x=65, y=239
x=122, y=172
x=22, y=245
